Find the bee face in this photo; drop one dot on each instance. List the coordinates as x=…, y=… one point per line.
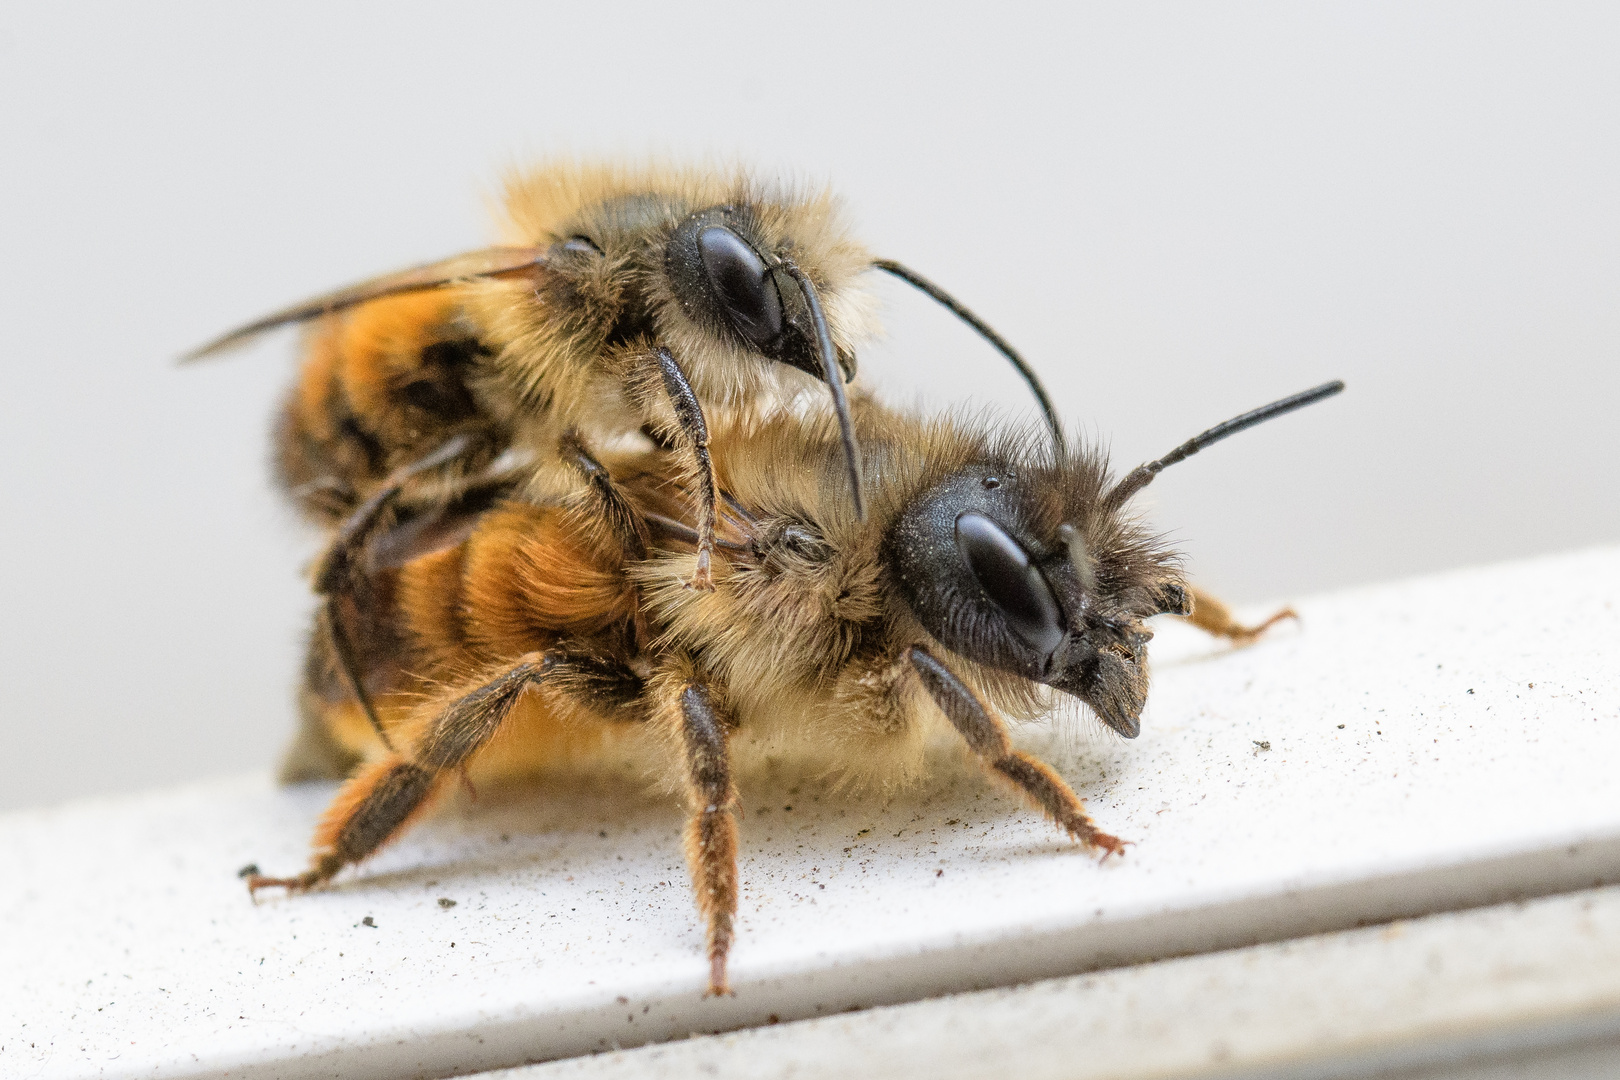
x=637, y=265
x=1022, y=569
x=728, y=281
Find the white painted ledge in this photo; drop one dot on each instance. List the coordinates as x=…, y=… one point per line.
x=1515, y=992
x=130, y=949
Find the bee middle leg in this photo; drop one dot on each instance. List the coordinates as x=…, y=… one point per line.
x=1216, y=619
x=986, y=735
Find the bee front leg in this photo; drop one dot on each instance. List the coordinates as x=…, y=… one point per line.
x=689, y=416
x=1215, y=618
x=986, y=735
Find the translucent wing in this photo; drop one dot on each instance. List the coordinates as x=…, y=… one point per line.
x=491, y=262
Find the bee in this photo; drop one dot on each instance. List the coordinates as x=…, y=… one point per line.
x=629, y=300
x=989, y=571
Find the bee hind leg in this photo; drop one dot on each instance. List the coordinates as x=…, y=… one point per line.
x=1216, y=619
x=986, y=735
x=376, y=805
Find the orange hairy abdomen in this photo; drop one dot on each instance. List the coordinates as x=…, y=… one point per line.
x=524, y=578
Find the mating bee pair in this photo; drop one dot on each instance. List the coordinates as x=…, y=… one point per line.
x=577, y=489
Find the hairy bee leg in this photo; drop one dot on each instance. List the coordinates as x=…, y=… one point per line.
x=1215, y=618
x=335, y=573
x=337, y=635
x=626, y=524
x=711, y=832
x=986, y=736
x=375, y=805
x=689, y=415
x=342, y=554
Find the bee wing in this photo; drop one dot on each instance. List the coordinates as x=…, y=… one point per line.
x=490, y=262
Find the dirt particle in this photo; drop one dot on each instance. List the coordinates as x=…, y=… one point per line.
x=446, y=903
x=248, y=871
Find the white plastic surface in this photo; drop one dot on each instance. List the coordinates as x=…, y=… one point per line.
x=1433, y=744
x=1514, y=992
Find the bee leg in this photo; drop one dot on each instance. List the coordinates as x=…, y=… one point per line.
x=607, y=501
x=986, y=736
x=711, y=831
x=377, y=803
x=1214, y=617
x=689, y=415
x=337, y=573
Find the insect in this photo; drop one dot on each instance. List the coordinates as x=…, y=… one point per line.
x=632, y=299
x=988, y=569
x=636, y=299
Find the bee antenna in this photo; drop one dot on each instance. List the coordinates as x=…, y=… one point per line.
x=955, y=307
x=835, y=381
x=1139, y=477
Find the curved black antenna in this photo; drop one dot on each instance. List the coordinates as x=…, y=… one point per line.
x=1139, y=477
x=906, y=274
x=835, y=382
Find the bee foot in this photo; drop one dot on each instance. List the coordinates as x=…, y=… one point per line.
x=1243, y=635
x=301, y=883
x=702, y=580
x=719, y=986
x=1111, y=845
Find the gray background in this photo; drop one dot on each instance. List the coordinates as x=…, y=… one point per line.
x=1177, y=212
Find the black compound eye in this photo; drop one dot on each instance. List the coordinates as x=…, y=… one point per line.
x=1011, y=581
x=740, y=282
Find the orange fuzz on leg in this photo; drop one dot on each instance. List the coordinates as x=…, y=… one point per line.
x=370, y=809
x=377, y=804
x=986, y=736
x=1215, y=618
x=711, y=833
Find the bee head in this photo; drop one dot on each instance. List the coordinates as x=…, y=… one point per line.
x=1038, y=570
x=1028, y=569
x=726, y=278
